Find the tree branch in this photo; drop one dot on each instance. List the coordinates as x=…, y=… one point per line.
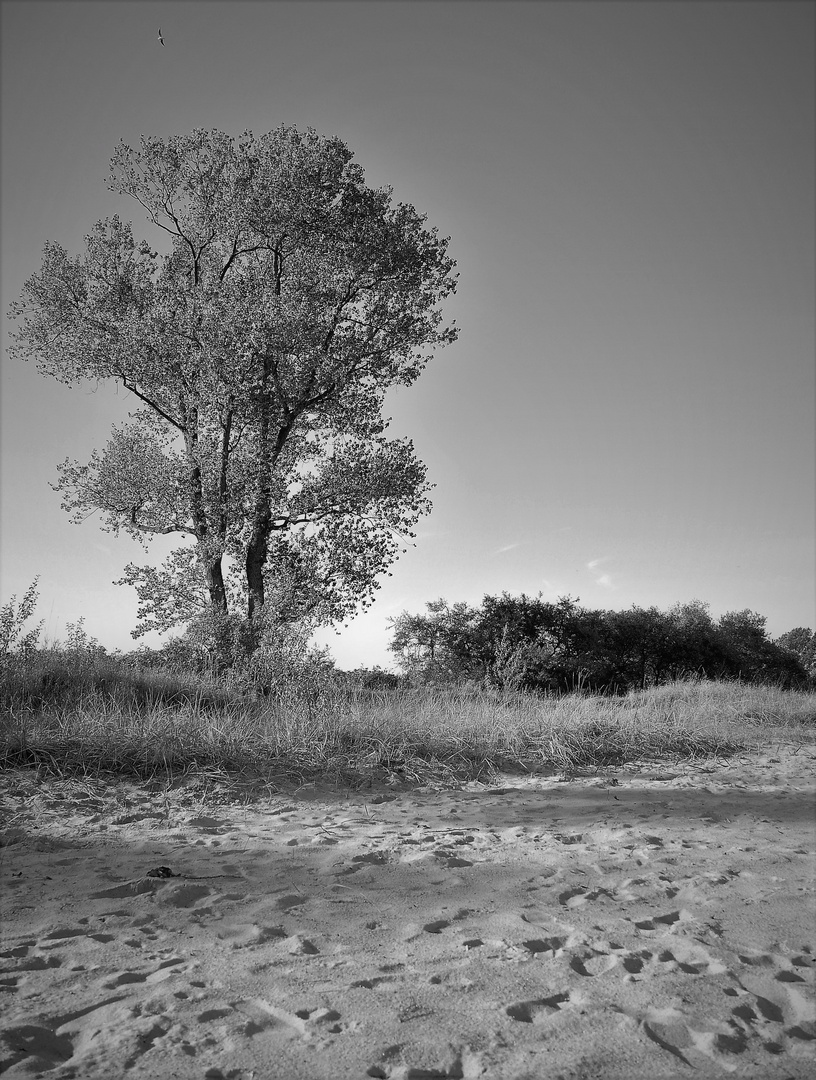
x=157, y=529
x=166, y=416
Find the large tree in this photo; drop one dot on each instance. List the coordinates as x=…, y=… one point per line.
x=259, y=348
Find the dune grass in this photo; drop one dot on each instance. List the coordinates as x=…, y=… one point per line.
x=92, y=717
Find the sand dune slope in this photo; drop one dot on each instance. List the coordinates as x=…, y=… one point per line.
x=656, y=922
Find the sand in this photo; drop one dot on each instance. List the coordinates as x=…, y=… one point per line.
x=650, y=922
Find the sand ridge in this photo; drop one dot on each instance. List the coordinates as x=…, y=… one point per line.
x=650, y=922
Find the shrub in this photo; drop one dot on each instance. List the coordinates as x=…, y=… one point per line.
x=12, y=622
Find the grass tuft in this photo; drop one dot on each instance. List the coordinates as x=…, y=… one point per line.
x=99, y=719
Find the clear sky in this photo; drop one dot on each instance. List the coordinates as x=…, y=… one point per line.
x=628, y=415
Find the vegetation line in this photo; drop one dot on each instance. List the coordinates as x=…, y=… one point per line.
x=73, y=715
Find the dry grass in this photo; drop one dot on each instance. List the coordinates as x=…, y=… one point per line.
x=98, y=720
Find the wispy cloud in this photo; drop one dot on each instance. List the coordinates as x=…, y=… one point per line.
x=507, y=547
x=593, y=564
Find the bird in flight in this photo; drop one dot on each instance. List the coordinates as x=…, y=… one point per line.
x=161, y=39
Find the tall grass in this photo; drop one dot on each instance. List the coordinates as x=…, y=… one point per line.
x=90, y=715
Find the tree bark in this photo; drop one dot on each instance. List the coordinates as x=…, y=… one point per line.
x=214, y=573
x=262, y=515
x=213, y=569
x=255, y=561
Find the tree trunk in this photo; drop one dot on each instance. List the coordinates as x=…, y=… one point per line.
x=214, y=573
x=261, y=522
x=255, y=561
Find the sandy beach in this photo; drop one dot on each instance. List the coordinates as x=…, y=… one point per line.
x=653, y=921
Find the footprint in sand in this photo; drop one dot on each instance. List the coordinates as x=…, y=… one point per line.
x=245, y=935
x=451, y=859
x=461, y=1063
x=291, y=900
x=40, y=1048
x=779, y=1021
x=298, y=945
x=575, y=897
x=372, y=984
x=689, y=958
x=540, y=1010
x=101, y=1040
x=211, y=825
x=262, y=1014
x=550, y=947
x=18, y=950
x=436, y=926
x=185, y=896
x=136, y=887
x=157, y=974
x=371, y=858
x=327, y=1018
x=660, y=922
x=579, y=895
x=592, y=963
x=132, y=819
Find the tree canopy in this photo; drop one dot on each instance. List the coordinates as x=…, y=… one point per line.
x=526, y=643
x=801, y=641
x=258, y=349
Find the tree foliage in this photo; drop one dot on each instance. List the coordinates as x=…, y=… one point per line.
x=13, y=617
x=259, y=349
x=526, y=643
x=801, y=642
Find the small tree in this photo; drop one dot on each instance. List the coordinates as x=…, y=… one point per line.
x=693, y=644
x=753, y=656
x=802, y=643
x=81, y=649
x=637, y=642
x=12, y=622
x=436, y=646
x=259, y=349
x=510, y=668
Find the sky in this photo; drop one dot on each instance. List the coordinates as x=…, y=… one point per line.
x=629, y=414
